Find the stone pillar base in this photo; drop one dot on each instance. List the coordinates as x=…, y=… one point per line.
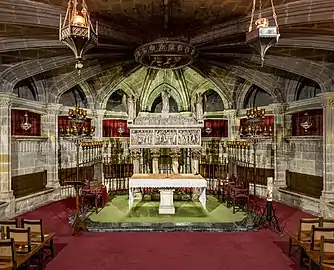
x=54, y=184
x=7, y=196
x=166, y=202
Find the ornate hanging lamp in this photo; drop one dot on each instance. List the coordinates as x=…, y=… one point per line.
x=25, y=124
x=306, y=124
x=264, y=35
x=76, y=31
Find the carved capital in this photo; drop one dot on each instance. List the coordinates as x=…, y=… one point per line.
x=155, y=153
x=231, y=114
x=135, y=153
x=54, y=108
x=196, y=153
x=327, y=99
x=175, y=153
x=278, y=108
x=6, y=99
x=5, y=102
x=98, y=113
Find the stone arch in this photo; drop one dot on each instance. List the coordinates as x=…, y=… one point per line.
x=27, y=89
x=212, y=101
x=147, y=104
x=117, y=101
x=77, y=92
x=157, y=105
x=122, y=86
x=206, y=86
x=256, y=97
x=306, y=88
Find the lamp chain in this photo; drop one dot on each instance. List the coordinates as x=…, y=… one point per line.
x=260, y=9
x=252, y=17
x=274, y=15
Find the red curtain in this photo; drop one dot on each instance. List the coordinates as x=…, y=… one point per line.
x=33, y=118
x=314, y=116
x=63, y=122
x=111, y=128
x=219, y=128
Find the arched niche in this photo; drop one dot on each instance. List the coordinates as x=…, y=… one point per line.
x=74, y=97
x=257, y=97
x=212, y=101
x=157, y=105
x=117, y=102
x=307, y=88
x=26, y=89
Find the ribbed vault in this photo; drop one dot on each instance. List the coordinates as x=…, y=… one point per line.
x=30, y=50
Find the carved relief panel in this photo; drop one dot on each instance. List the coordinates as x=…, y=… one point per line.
x=164, y=138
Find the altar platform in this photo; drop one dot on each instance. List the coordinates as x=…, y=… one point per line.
x=189, y=216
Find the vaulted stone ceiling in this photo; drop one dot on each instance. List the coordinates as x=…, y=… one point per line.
x=30, y=47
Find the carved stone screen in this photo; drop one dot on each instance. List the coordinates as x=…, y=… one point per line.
x=164, y=138
x=159, y=131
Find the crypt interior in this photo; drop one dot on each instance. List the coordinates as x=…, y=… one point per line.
x=110, y=92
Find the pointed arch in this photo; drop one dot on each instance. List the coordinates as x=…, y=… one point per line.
x=212, y=101
x=256, y=97
x=206, y=86
x=147, y=104
x=74, y=97
x=124, y=87
x=117, y=101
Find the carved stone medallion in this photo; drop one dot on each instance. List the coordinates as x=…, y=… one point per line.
x=165, y=54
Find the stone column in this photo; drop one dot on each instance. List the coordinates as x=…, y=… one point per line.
x=195, y=156
x=6, y=193
x=155, y=154
x=135, y=153
x=175, y=155
x=98, y=116
x=328, y=150
x=280, y=161
x=233, y=124
x=50, y=129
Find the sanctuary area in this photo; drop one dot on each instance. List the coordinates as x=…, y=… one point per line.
x=128, y=116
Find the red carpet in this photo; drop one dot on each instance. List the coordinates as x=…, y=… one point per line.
x=165, y=251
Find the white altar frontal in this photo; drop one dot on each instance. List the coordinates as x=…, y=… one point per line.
x=166, y=185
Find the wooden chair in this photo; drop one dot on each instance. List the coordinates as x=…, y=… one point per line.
x=304, y=232
x=36, y=229
x=38, y=234
x=326, y=222
x=8, y=254
x=326, y=255
x=22, y=238
x=317, y=233
x=11, y=223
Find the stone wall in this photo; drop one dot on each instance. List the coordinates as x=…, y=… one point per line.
x=305, y=155
x=29, y=155
x=264, y=155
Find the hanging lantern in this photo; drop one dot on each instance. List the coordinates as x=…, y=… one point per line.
x=76, y=31
x=263, y=36
x=306, y=124
x=25, y=124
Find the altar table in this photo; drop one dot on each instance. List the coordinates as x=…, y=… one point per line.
x=166, y=185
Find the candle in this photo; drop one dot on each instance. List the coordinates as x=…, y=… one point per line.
x=270, y=187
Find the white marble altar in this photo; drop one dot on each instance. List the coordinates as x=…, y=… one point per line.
x=167, y=186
